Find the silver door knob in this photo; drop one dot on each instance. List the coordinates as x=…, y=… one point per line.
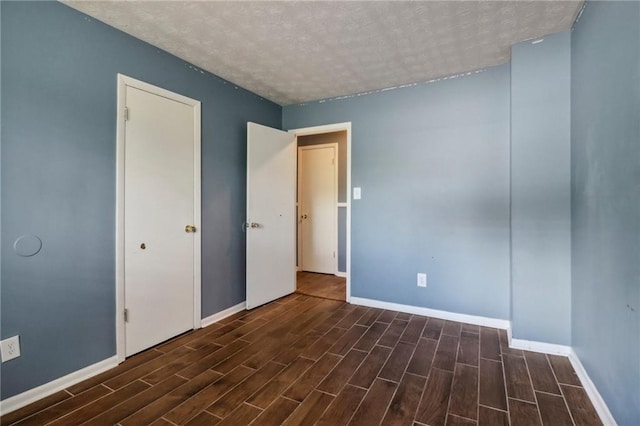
x=304, y=216
x=189, y=229
x=254, y=225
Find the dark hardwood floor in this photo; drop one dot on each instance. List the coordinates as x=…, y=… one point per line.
x=303, y=360
x=322, y=285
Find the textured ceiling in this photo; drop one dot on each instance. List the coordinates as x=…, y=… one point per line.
x=294, y=51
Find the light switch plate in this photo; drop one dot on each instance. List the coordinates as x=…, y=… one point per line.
x=357, y=193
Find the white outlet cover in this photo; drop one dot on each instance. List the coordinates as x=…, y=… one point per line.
x=422, y=280
x=10, y=348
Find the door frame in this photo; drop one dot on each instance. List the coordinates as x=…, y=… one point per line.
x=331, y=128
x=333, y=145
x=124, y=82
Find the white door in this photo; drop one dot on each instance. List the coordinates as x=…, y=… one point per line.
x=317, y=200
x=158, y=204
x=271, y=223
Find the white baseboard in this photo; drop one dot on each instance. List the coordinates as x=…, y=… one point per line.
x=18, y=401
x=223, y=314
x=451, y=316
x=596, y=399
x=553, y=349
x=341, y=274
x=545, y=348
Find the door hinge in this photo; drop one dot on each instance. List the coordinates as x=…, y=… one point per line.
x=126, y=114
x=334, y=254
x=126, y=315
x=333, y=161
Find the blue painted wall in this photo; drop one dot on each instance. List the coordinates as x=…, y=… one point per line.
x=540, y=189
x=605, y=172
x=433, y=164
x=58, y=182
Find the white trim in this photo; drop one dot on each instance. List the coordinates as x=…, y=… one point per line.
x=340, y=274
x=333, y=145
x=342, y=205
x=25, y=398
x=428, y=312
x=123, y=82
x=548, y=348
x=545, y=348
x=330, y=128
x=223, y=314
x=596, y=399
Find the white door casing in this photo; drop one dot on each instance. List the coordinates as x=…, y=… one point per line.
x=317, y=200
x=330, y=128
x=271, y=219
x=158, y=262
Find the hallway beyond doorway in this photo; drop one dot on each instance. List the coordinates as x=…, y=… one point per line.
x=321, y=285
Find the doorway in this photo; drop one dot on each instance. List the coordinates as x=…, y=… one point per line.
x=321, y=213
x=158, y=216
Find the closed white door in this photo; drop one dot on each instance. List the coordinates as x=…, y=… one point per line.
x=159, y=203
x=271, y=223
x=317, y=201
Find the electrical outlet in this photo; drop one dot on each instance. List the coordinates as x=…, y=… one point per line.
x=10, y=348
x=422, y=279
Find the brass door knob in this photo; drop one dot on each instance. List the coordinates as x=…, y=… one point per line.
x=189, y=229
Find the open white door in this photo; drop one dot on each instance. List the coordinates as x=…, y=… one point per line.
x=271, y=219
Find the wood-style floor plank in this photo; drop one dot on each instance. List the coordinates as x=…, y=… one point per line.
x=370, y=367
x=445, y=357
x=393, y=333
x=490, y=417
x=274, y=388
x=312, y=377
x=370, y=338
x=101, y=405
x=414, y=330
x=435, y=399
x=469, y=349
x=563, y=370
x=553, y=410
x=311, y=409
x=464, y=394
x=171, y=400
x=228, y=402
x=523, y=413
x=517, y=378
x=580, y=406
x=374, y=405
x=130, y=406
x=492, y=388
x=433, y=329
x=405, y=402
x=489, y=343
x=422, y=358
x=277, y=412
x=343, y=406
x=42, y=404
x=342, y=373
x=453, y=420
x=305, y=360
x=346, y=342
x=397, y=362
x=541, y=374
x=242, y=415
x=204, y=398
x=68, y=405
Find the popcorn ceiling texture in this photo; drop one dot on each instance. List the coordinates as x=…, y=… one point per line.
x=293, y=52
